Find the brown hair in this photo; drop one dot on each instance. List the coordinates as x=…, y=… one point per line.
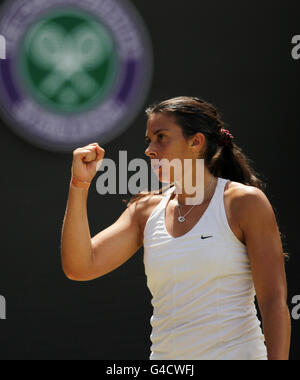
x=195, y=115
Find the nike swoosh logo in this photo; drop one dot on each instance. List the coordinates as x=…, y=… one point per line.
x=205, y=237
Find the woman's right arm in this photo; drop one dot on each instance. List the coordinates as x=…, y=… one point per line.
x=84, y=258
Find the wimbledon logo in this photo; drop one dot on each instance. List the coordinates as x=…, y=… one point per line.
x=68, y=69
x=75, y=71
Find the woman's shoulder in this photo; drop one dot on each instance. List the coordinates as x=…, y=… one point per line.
x=149, y=200
x=242, y=197
x=239, y=190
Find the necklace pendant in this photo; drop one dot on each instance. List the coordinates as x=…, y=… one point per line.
x=181, y=219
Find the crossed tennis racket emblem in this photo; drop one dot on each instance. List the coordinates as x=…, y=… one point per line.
x=68, y=58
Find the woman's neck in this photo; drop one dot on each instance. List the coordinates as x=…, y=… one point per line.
x=189, y=194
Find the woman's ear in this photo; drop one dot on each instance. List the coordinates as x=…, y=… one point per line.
x=198, y=140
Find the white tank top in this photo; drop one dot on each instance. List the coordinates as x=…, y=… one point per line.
x=202, y=289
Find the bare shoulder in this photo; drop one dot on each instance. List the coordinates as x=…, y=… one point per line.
x=239, y=191
x=246, y=200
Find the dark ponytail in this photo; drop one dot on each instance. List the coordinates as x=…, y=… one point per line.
x=231, y=163
x=222, y=157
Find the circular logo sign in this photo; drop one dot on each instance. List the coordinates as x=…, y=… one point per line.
x=75, y=71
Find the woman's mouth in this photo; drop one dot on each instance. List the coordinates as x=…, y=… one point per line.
x=155, y=164
x=156, y=167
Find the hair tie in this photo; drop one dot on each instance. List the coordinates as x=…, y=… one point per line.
x=225, y=138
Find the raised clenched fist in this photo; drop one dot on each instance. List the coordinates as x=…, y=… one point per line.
x=86, y=161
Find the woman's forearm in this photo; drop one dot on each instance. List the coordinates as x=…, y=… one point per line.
x=76, y=247
x=277, y=330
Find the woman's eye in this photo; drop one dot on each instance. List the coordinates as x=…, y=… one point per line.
x=159, y=137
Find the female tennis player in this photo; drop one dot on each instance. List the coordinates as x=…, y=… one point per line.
x=204, y=261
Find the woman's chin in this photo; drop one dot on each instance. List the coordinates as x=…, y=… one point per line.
x=162, y=177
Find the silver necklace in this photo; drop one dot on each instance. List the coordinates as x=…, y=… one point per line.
x=181, y=218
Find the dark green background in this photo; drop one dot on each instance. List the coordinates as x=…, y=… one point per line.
x=33, y=74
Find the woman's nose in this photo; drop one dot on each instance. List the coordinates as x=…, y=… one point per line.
x=150, y=152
